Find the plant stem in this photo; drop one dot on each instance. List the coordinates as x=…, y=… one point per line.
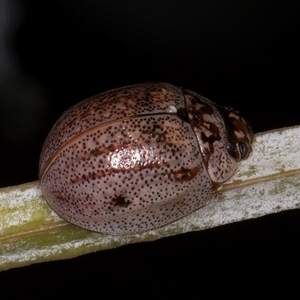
x=267, y=182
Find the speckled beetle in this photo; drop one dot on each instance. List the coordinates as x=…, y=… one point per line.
x=140, y=157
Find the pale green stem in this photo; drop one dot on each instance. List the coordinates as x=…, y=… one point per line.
x=267, y=182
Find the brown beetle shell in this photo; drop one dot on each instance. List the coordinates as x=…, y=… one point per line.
x=136, y=158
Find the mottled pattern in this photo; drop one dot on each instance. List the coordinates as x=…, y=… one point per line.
x=129, y=160
x=239, y=134
x=211, y=132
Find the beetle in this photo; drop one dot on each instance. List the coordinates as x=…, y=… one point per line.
x=140, y=157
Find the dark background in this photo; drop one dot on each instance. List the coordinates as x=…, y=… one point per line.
x=244, y=54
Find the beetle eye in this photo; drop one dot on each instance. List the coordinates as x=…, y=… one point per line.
x=243, y=150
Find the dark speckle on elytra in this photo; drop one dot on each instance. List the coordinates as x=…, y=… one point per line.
x=120, y=201
x=186, y=174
